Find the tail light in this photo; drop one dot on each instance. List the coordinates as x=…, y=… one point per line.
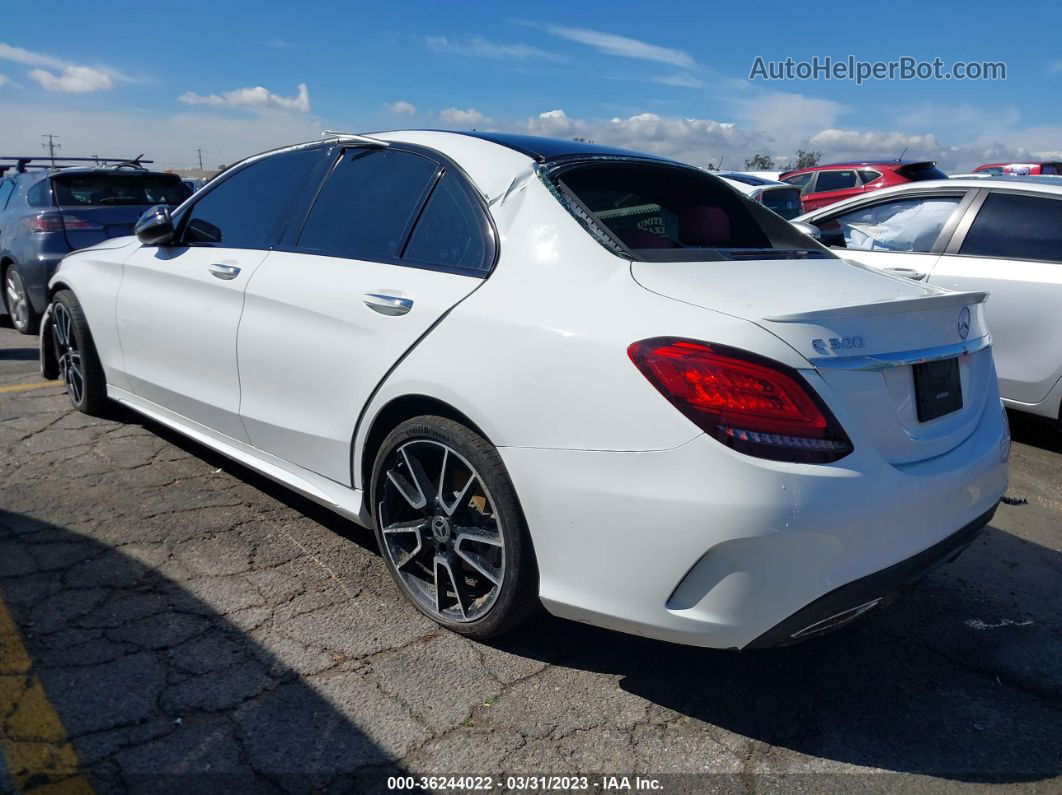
x=56, y=222
x=754, y=405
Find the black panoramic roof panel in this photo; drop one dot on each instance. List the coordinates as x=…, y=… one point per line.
x=542, y=149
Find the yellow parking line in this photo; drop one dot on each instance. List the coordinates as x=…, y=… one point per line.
x=36, y=750
x=25, y=387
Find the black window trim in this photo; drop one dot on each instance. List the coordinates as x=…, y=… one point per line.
x=941, y=244
x=443, y=165
x=954, y=246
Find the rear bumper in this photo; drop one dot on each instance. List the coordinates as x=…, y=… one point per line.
x=704, y=546
x=848, y=602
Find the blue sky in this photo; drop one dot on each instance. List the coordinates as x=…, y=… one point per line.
x=233, y=78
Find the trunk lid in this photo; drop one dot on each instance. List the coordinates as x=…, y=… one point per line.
x=106, y=223
x=863, y=331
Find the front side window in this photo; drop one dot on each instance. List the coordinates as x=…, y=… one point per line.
x=367, y=205
x=802, y=181
x=666, y=212
x=899, y=225
x=249, y=208
x=1014, y=226
x=451, y=231
x=835, y=180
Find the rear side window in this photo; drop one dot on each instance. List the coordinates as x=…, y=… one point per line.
x=451, y=232
x=1049, y=168
x=899, y=225
x=249, y=208
x=1014, y=226
x=40, y=195
x=366, y=207
x=835, y=180
x=668, y=212
x=784, y=201
x=116, y=188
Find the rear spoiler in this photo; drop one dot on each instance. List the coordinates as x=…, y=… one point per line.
x=887, y=307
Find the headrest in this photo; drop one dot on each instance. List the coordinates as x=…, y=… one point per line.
x=704, y=226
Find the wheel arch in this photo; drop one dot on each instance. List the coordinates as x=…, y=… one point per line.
x=390, y=416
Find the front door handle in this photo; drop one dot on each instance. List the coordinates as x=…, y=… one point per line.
x=387, y=304
x=225, y=272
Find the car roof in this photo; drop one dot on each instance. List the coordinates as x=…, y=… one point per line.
x=893, y=164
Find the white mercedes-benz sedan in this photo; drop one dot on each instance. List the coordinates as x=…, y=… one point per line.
x=999, y=234
x=553, y=373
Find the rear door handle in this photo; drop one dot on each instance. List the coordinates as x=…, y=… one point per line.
x=387, y=304
x=225, y=272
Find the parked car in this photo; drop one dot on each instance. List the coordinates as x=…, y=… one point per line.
x=826, y=184
x=552, y=372
x=45, y=215
x=1019, y=169
x=781, y=197
x=1001, y=235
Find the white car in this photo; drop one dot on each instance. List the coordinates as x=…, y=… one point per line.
x=781, y=197
x=998, y=234
x=549, y=372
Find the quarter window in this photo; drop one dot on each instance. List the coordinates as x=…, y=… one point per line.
x=365, y=208
x=868, y=176
x=450, y=232
x=900, y=225
x=6, y=188
x=1015, y=226
x=250, y=208
x=835, y=180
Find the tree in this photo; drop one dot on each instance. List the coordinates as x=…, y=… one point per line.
x=760, y=162
x=807, y=159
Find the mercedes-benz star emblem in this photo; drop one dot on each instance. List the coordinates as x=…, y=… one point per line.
x=964, y=322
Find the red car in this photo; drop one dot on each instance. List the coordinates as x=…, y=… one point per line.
x=826, y=184
x=1019, y=169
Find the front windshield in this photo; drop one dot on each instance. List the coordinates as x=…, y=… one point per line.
x=660, y=211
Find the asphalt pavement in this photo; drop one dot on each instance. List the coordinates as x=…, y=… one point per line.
x=171, y=621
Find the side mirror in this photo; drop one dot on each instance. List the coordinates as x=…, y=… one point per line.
x=155, y=227
x=808, y=229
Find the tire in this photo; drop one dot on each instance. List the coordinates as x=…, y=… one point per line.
x=75, y=353
x=472, y=538
x=24, y=318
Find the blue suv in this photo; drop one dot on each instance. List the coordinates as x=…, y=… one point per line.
x=46, y=214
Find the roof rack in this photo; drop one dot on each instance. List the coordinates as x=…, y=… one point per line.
x=46, y=161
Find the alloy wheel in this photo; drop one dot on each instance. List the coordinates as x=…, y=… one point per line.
x=67, y=354
x=441, y=531
x=16, y=299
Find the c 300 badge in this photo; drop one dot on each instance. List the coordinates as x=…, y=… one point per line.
x=836, y=344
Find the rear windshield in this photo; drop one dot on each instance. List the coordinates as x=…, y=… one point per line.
x=657, y=211
x=72, y=190
x=916, y=172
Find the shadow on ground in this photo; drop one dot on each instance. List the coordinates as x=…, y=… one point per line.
x=19, y=354
x=1035, y=431
x=146, y=677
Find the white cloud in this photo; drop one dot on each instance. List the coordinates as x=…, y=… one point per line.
x=682, y=80
x=463, y=118
x=479, y=47
x=279, y=44
x=401, y=107
x=4, y=80
x=1055, y=67
x=9, y=52
x=256, y=97
x=611, y=44
x=874, y=144
x=697, y=141
x=74, y=79
x=55, y=74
